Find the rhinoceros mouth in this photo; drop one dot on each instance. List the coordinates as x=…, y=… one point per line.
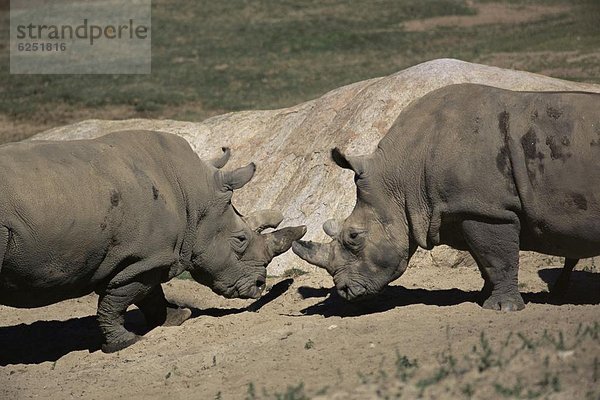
x=248, y=289
x=352, y=291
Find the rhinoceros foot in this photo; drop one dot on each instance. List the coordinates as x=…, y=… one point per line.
x=177, y=316
x=505, y=302
x=116, y=346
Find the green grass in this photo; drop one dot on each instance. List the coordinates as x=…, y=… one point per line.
x=293, y=273
x=517, y=367
x=216, y=56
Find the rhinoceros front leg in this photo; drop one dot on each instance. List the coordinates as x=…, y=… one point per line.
x=112, y=305
x=487, y=288
x=158, y=311
x=496, y=250
x=119, y=295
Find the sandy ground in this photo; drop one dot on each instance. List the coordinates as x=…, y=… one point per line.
x=300, y=333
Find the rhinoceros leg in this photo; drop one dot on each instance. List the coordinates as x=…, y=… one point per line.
x=487, y=288
x=111, y=309
x=562, y=283
x=4, y=239
x=496, y=250
x=113, y=304
x=158, y=311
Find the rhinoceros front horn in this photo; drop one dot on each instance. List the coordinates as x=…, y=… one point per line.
x=313, y=253
x=281, y=240
x=264, y=219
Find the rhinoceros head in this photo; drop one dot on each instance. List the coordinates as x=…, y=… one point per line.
x=371, y=247
x=230, y=254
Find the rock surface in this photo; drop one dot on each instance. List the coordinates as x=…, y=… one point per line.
x=291, y=145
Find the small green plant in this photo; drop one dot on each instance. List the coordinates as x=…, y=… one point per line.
x=251, y=392
x=550, y=381
x=486, y=354
x=309, y=344
x=437, y=377
x=506, y=391
x=293, y=393
x=185, y=276
x=468, y=390
x=405, y=368
x=293, y=273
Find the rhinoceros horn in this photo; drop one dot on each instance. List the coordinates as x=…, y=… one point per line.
x=314, y=253
x=219, y=162
x=281, y=240
x=332, y=227
x=261, y=220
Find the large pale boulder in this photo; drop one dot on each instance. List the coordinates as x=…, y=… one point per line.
x=291, y=145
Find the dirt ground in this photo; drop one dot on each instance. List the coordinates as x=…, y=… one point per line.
x=425, y=336
x=487, y=13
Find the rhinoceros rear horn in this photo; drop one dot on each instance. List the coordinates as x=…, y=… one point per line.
x=332, y=227
x=281, y=240
x=220, y=162
x=355, y=163
x=231, y=180
x=264, y=219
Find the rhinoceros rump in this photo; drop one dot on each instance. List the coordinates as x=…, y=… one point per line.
x=477, y=168
x=120, y=214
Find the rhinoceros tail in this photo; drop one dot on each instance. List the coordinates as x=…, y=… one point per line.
x=5, y=235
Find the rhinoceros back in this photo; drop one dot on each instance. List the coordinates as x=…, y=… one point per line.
x=555, y=152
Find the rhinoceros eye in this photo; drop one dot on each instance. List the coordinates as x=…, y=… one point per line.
x=239, y=242
x=354, y=239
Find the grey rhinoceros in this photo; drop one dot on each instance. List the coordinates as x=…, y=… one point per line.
x=120, y=214
x=477, y=168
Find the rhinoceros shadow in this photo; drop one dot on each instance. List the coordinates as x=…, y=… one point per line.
x=50, y=340
x=584, y=289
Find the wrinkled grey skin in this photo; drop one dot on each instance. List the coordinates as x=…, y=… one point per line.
x=120, y=214
x=480, y=169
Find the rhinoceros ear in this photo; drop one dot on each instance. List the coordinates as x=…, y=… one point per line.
x=261, y=220
x=220, y=162
x=231, y=180
x=355, y=163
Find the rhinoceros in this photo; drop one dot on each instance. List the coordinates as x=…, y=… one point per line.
x=119, y=215
x=478, y=168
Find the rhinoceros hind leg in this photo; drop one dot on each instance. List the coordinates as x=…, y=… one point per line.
x=114, y=347
x=154, y=307
x=158, y=311
x=562, y=283
x=495, y=247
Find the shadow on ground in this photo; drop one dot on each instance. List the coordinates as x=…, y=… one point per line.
x=50, y=340
x=584, y=289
